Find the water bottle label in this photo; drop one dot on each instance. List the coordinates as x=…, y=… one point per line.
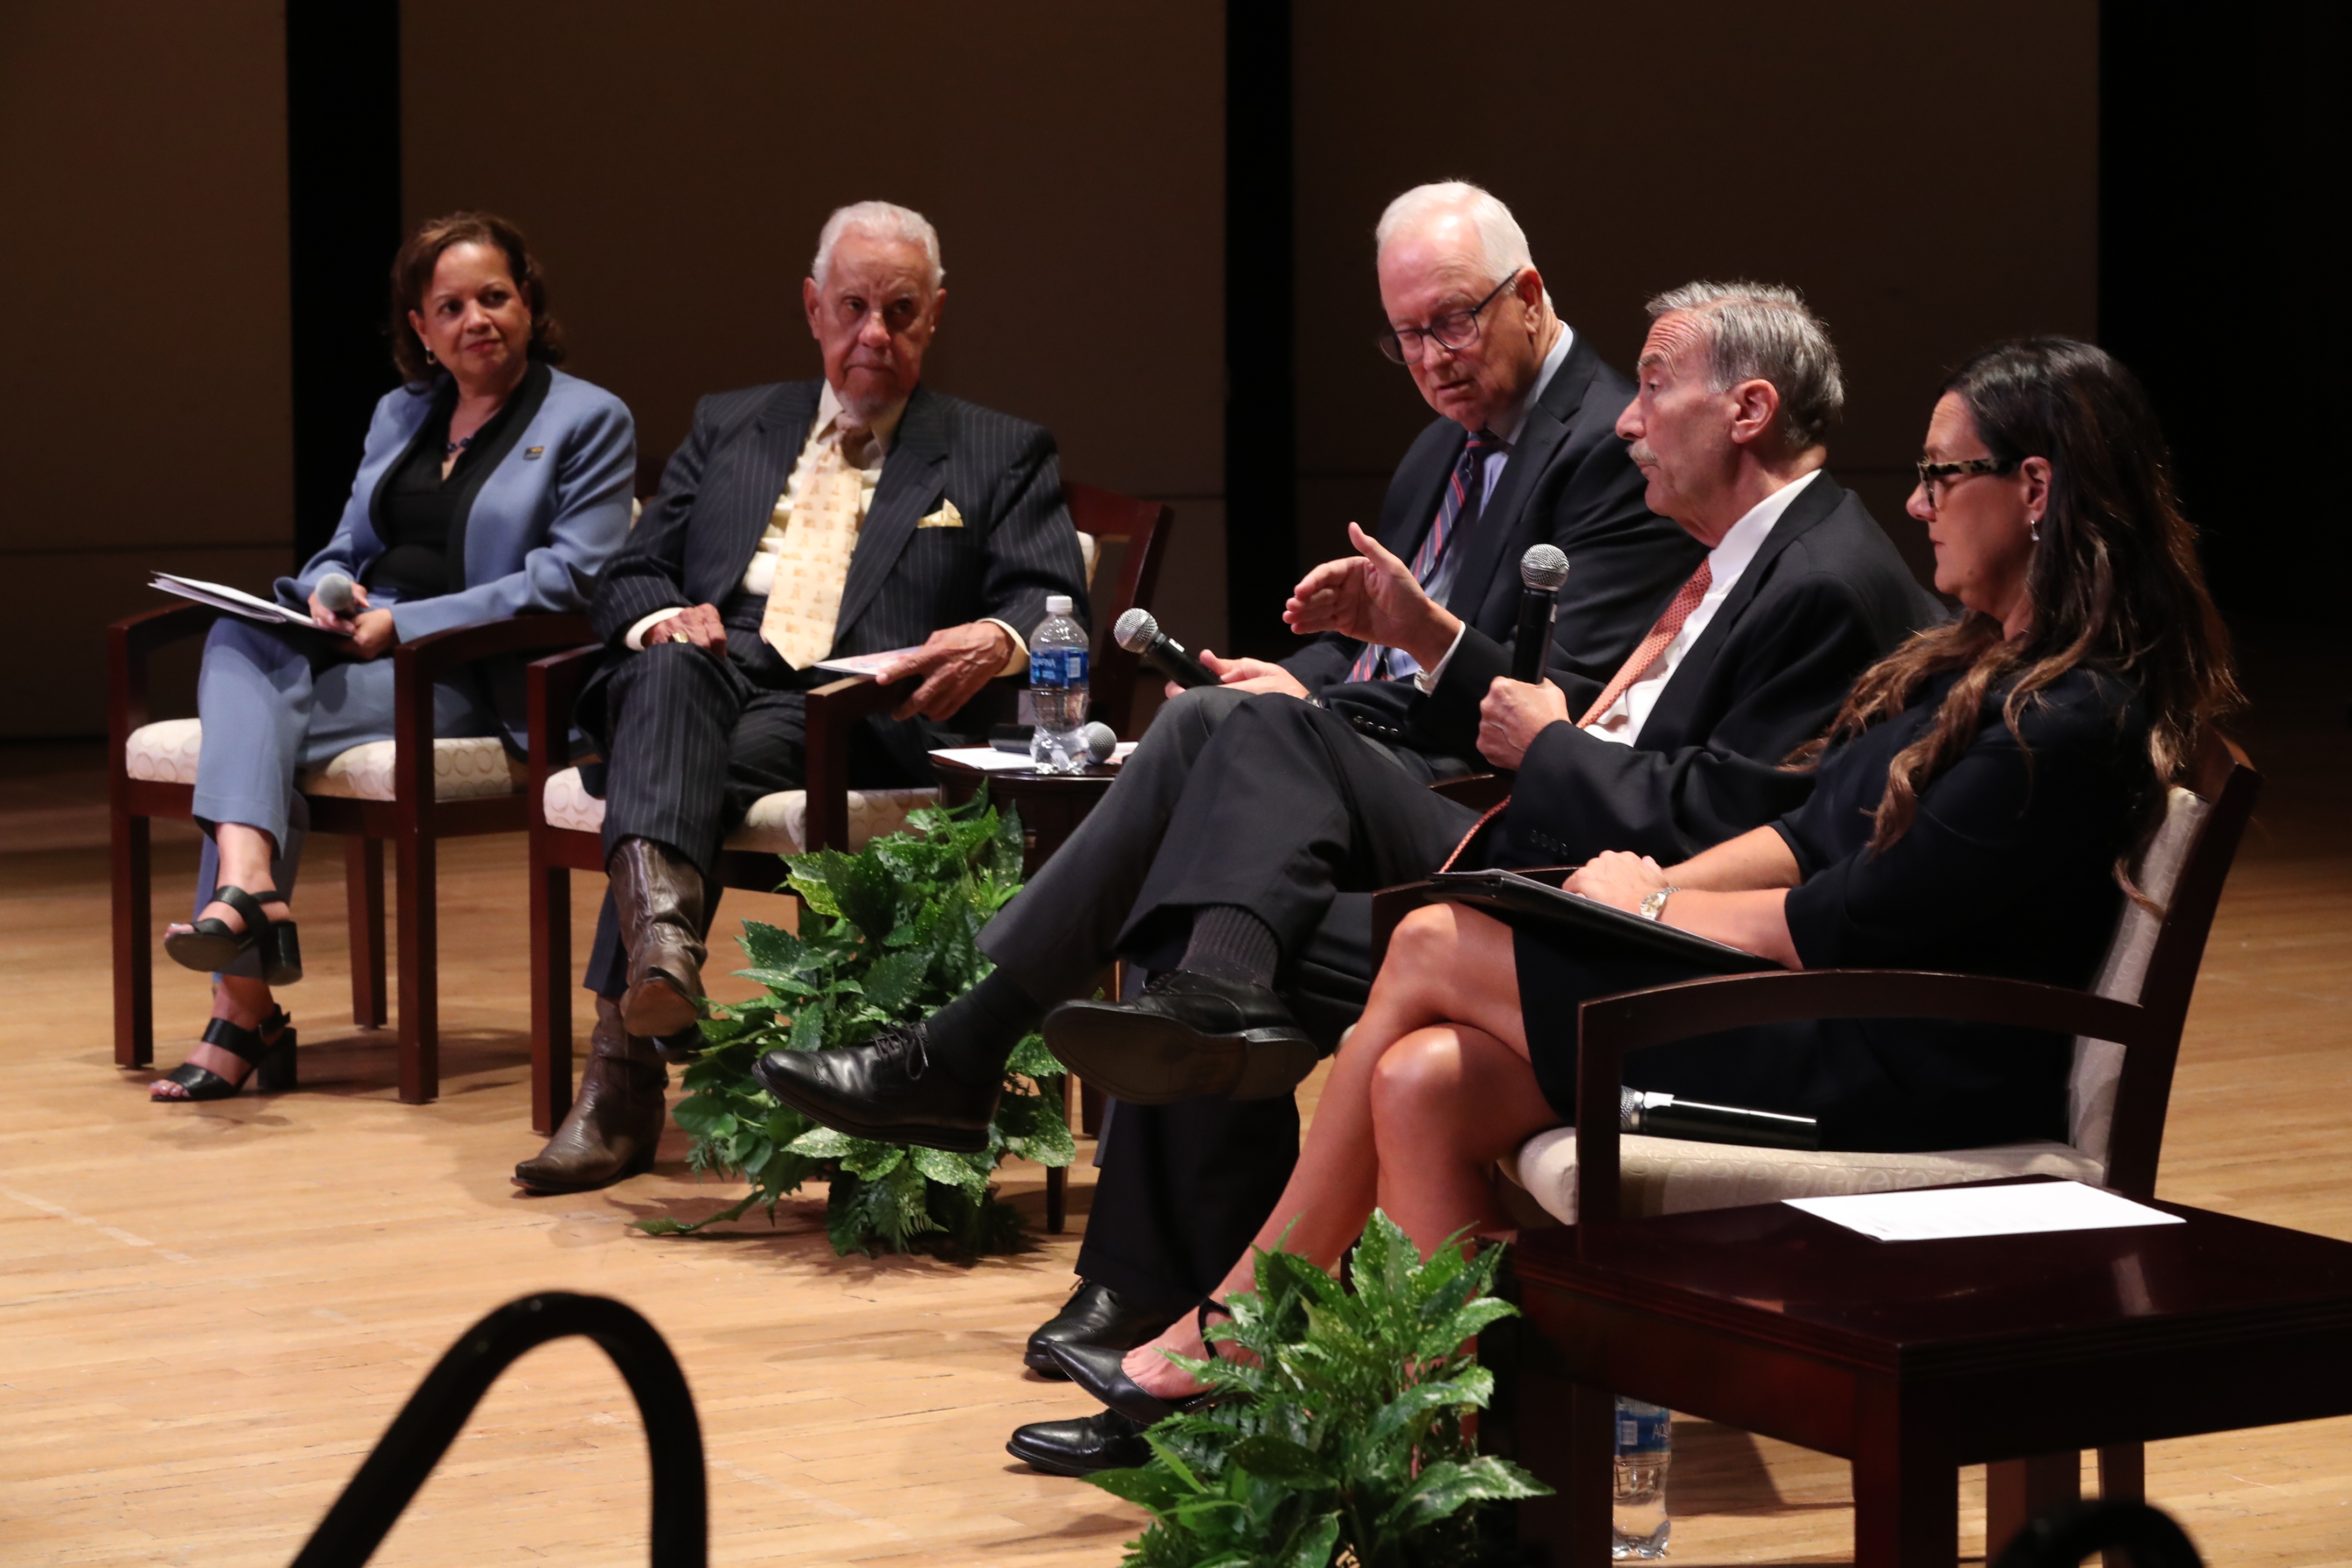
x=1641, y=1428
x=1057, y=667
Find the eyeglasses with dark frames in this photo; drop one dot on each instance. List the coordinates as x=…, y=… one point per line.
x=1937, y=478
x=1457, y=330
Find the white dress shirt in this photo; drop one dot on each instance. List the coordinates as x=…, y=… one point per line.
x=1624, y=721
x=1441, y=582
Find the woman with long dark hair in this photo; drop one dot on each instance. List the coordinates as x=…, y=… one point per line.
x=492, y=484
x=1975, y=802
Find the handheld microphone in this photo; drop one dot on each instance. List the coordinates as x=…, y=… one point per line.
x=1101, y=741
x=335, y=593
x=1663, y=1116
x=1138, y=633
x=1542, y=570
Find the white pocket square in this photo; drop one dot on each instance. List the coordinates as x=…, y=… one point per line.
x=946, y=517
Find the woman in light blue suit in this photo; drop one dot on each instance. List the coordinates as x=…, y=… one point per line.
x=492, y=485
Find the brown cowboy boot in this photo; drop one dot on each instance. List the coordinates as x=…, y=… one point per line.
x=616, y=1121
x=658, y=896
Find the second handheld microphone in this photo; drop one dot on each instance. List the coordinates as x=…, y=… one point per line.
x=1140, y=634
x=1542, y=570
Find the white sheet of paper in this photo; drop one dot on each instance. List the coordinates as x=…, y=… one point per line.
x=1945, y=1212
x=237, y=602
x=865, y=663
x=988, y=759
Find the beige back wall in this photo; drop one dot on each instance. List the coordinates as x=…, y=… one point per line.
x=143, y=170
x=1926, y=200
x=674, y=164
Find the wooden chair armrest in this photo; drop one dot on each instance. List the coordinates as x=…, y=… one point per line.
x=1611, y=1027
x=418, y=666
x=551, y=689
x=832, y=710
x=1479, y=792
x=129, y=643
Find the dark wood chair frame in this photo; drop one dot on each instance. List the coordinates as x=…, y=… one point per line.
x=833, y=711
x=412, y=822
x=1610, y=1027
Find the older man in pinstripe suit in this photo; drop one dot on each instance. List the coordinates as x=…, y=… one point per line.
x=799, y=521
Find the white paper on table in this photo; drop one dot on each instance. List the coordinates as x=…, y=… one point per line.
x=865, y=663
x=1946, y=1213
x=988, y=759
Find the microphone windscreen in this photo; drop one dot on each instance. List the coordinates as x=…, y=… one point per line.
x=1543, y=568
x=1101, y=741
x=1134, y=630
x=335, y=591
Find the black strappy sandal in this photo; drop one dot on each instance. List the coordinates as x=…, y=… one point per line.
x=270, y=1049
x=1098, y=1369
x=210, y=945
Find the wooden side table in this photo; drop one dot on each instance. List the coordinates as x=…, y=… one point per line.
x=1051, y=805
x=1911, y=1359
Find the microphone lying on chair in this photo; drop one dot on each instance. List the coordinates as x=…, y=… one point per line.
x=1659, y=1115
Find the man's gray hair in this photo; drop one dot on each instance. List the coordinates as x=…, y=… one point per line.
x=1763, y=331
x=1502, y=243
x=883, y=220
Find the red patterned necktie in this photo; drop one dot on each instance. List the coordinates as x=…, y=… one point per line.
x=1457, y=509
x=1637, y=663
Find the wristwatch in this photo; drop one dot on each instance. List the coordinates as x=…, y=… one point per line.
x=1655, y=905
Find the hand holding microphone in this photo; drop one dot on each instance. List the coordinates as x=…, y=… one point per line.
x=339, y=604
x=1516, y=711
x=1140, y=634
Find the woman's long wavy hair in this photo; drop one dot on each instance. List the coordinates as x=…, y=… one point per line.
x=2114, y=582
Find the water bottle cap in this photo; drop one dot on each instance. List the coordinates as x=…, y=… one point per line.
x=1058, y=603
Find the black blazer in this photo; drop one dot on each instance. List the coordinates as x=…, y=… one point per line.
x=1824, y=598
x=1568, y=483
x=1016, y=544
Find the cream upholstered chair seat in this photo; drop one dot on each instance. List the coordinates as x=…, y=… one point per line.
x=778, y=823
x=1671, y=1175
x=472, y=768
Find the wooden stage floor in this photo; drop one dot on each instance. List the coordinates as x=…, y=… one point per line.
x=210, y=1313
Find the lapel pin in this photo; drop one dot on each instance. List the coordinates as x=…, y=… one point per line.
x=534, y=454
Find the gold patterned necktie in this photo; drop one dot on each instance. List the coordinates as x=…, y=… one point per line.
x=827, y=510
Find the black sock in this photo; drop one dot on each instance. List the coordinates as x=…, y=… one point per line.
x=972, y=1037
x=1231, y=944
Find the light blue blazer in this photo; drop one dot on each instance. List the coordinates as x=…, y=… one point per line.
x=542, y=518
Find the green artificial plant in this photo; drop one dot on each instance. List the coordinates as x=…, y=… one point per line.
x=1342, y=1439
x=887, y=935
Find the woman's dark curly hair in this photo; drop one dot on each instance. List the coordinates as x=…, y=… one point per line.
x=2114, y=582
x=412, y=275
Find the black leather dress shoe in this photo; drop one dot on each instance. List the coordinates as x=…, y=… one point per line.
x=1097, y=1369
x=884, y=1090
x=1188, y=1036
x=1103, y=1441
x=1093, y=1315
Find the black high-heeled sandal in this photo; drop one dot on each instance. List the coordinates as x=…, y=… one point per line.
x=270, y=1049
x=210, y=945
x=1099, y=1369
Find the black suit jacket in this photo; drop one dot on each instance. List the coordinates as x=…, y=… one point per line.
x=1568, y=483
x=1824, y=597
x=1015, y=547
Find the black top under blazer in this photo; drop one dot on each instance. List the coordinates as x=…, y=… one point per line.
x=1568, y=483
x=2007, y=870
x=1015, y=547
x=1826, y=597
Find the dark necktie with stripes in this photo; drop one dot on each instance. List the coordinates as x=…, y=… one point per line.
x=1457, y=511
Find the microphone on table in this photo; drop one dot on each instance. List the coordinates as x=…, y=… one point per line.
x=1137, y=632
x=1101, y=741
x=1542, y=570
x=335, y=594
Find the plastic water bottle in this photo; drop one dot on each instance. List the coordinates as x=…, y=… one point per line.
x=1645, y=1448
x=1057, y=683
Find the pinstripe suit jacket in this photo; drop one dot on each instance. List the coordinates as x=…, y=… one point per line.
x=698, y=535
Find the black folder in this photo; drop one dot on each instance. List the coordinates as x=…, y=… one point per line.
x=1517, y=898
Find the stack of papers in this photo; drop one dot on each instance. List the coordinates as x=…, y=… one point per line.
x=988, y=759
x=237, y=602
x=1946, y=1213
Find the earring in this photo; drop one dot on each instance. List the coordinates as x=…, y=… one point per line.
x=2033, y=529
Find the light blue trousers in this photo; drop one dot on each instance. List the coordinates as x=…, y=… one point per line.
x=275, y=700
